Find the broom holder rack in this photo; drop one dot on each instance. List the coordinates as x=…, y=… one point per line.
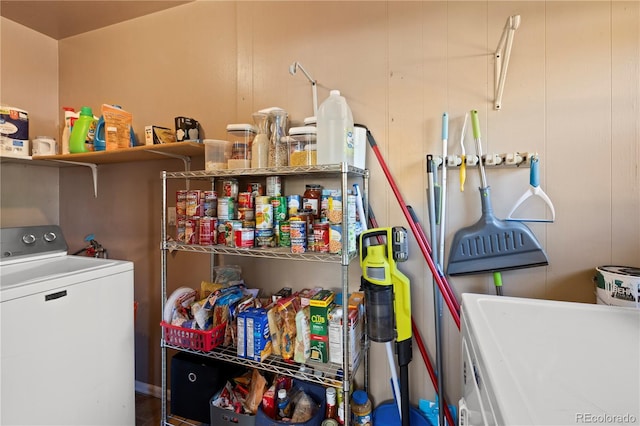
x=511, y=159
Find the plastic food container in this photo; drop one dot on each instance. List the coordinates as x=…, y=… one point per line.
x=302, y=146
x=241, y=136
x=216, y=154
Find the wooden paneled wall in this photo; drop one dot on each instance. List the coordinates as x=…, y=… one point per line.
x=572, y=94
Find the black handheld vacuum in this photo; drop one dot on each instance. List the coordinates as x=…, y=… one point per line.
x=388, y=298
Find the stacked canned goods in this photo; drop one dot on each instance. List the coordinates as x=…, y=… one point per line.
x=195, y=216
x=246, y=217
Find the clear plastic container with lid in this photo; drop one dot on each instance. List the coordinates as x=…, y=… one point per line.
x=260, y=144
x=302, y=146
x=216, y=154
x=241, y=137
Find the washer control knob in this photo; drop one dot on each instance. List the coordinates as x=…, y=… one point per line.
x=50, y=237
x=28, y=238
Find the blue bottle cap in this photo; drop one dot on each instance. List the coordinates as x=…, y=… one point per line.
x=360, y=397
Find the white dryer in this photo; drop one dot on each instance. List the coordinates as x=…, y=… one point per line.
x=540, y=362
x=66, y=333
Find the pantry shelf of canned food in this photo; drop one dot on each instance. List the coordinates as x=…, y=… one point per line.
x=250, y=212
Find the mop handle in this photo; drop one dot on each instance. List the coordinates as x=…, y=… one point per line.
x=424, y=237
x=475, y=124
x=443, y=200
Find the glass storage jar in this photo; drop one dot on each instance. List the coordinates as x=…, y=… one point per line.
x=278, y=149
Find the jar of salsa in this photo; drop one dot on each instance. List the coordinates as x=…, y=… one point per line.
x=311, y=199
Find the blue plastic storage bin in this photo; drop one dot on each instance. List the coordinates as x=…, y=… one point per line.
x=316, y=392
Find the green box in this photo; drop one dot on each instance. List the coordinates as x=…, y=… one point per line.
x=319, y=348
x=319, y=307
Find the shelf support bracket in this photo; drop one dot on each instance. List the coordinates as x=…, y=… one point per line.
x=502, y=55
x=185, y=159
x=94, y=173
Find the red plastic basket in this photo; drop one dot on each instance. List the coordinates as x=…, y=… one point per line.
x=193, y=339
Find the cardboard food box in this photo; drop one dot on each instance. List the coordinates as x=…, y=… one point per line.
x=306, y=295
x=241, y=333
x=261, y=336
x=155, y=135
x=319, y=348
x=336, y=319
x=187, y=129
x=319, y=307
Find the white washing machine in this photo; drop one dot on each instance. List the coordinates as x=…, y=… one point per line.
x=66, y=333
x=538, y=362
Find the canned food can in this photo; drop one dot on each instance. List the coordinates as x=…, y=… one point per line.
x=210, y=203
x=205, y=231
x=230, y=188
x=274, y=186
x=256, y=189
x=193, y=203
x=181, y=202
x=244, y=237
x=245, y=214
x=264, y=213
x=336, y=240
x=298, y=235
x=284, y=234
x=264, y=238
x=191, y=230
x=230, y=226
x=180, y=228
x=307, y=216
x=226, y=208
x=321, y=237
x=279, y=208
x=294, y=203
x=329, y=422
x=245, y=200
x=221, y=233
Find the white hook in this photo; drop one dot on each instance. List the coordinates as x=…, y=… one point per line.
x=501, y=64
x=314, y=87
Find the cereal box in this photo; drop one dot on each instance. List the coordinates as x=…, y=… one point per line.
x=261, y=336
x=336, y=319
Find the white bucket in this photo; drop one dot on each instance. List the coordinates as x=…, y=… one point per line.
x=618, y=286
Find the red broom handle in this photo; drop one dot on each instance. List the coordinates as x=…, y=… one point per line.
x=432, y=374
x=446, y=292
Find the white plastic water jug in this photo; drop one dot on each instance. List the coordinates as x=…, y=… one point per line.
x=335, y=130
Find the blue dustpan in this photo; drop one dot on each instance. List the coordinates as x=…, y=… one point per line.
x=386, y=414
